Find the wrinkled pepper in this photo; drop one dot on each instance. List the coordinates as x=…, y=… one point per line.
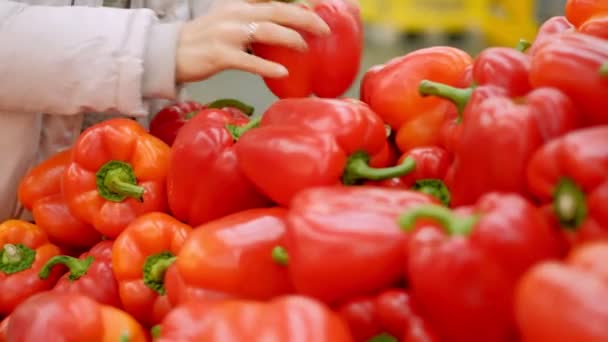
x=330, y=64
x=303, y=143
x=283, y=319
x=25, y=248
x=140, y=257
x=344, y=242
x=597, y=27
x=180, y=292
x=52, y=316
x=391, y=90
x=40, y=192
x=389, y=314
x=118, y=172
x=169, y=120
x=570, y=175
x=221, y=255
x=90, y=275
x=580, y=11
x=568, y=54
x=493, y=121
x=463, y=265
x=205, y=181
x=550, y=27
x=579, y=286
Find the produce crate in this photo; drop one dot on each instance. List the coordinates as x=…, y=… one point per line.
x=502, y=22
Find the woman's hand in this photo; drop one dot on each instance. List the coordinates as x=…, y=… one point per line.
x=218, y=41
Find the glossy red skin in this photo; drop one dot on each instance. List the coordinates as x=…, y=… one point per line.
x=581, y=156
x=303, y=143
x=337, y=238
x=386, y=157
x=463, y=284
x=205, y=180
x=579, y=284
x=597, y=27
x=168, y=121
x=98, y=282
x=283, y=319
x=501, y=124
x=551, y=26
x=233, y=255
x=579, y=11
x=179, y=292
x=331, y=63
x=3, y=330
x=568, y=54
x=503, y=67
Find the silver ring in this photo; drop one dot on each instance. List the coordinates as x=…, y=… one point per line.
x=251, y=29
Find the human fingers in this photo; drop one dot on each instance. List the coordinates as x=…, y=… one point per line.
x=274, y=34
x=240, y=60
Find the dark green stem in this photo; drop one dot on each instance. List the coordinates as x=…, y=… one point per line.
x=125, y=337
x=569, y=204
x=155, y=268
x=459, y=96
x=604, y=70
x=280, y=256
x=383, y=338
x=155, y=331
x=450, y=222
x=435, y=188
x=238, y=131
x=116, y=182
x=523, y=45
x=77, y=267
x=16, y=258
x=232, y=103
x=357, y=169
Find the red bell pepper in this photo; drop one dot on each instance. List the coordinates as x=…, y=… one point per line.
x=580, y=11
x=495, y=122
x=221, y=255
x=463, y=269
x=25, y=248
x=118, y=172
x=40, y=192
x=344, y=242
x=597, y=27
x=303, y=143
x=179, y=292
x=388, y=314
x=205, y=181
x=391, y=90
x=167, y=122
x=52, y=316
x=579, y=286
x=568, y=54
x=570, y=174
x=282, y=319
x=331, y=63
x=140, y=257
x=90, y=275
x=3, y=330
x=550, y=27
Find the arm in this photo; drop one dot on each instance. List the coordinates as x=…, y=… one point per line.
x=68, y=60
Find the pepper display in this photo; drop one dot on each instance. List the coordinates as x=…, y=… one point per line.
x=463, y=269
x=117, y=173
x=580, y=285
x=330, y=64
x=205, y=180
x=40, y=192
x=580, y=11
x=51, y=316
x=140, y=257
x=570, y=174
x=283, y=319
x=167, y=122
x=303, y=143
x=25, y=249
x=90, y=275
x=221, y=256
x=553, y=25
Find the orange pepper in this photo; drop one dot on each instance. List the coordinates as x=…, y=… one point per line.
x=580, y=11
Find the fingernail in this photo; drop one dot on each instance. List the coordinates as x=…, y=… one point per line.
x=282, y=71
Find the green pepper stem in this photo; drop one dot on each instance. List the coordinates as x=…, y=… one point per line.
x=11, y=255
x=435, y=188
x=357, y=169
x=155, y=268
x=280, y=255
x=384, y=337
x=232, y=103
x=569, y=204
x=116, y=181
x=459, y=96
x=238, y=131
x=77, y=267
x=604, y=69
x=523, y=45
x=15, y=258
x=155, y=331
x=450, y=222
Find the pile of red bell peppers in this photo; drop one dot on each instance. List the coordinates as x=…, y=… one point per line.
x=459, y=199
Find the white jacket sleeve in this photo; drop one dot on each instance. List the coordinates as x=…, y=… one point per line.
x=69, y=60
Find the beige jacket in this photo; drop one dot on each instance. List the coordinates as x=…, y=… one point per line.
x=64, y=58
